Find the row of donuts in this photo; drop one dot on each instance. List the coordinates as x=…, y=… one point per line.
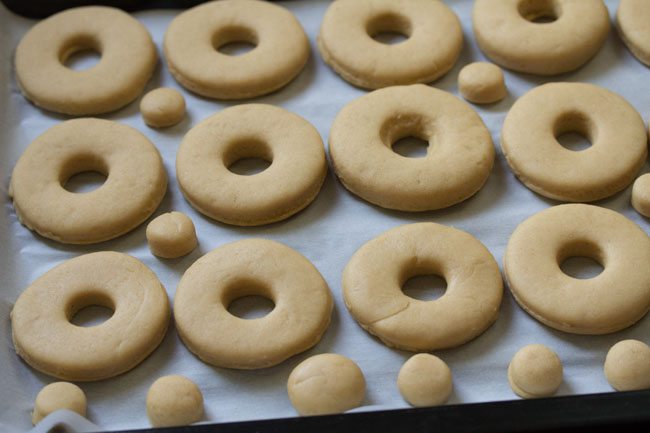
x=510, y=33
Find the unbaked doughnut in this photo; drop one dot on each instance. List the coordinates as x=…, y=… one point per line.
x=171, y=235
x=44, y=337
x=292, y=181
x=374, y=276
x=482, y=83
x=434, y=41
x=174, y=401
x=135, y=181
x=611, y=301
x=162, y=107
x=193, y=38
x=326, y=384
x=507, y=32
x=641, y=195
x=627, y=365
x=128, y=58
x=615, y=129
x=56, y=396
x=458, y=161
x=633, y=20
x=535, y=371
x=425, y=380
x=303, y=305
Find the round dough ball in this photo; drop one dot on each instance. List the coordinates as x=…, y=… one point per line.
x=535, y=371
x=326, y=384
x=641, y=195
x=171, y=235
x=162, y=107
x=174, y=401
x=627, y=366
x=425, y=380
x=56, y=396
x=482, y=83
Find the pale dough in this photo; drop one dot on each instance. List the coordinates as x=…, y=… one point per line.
x=627, y=366
x=56, y=396
x=162, y=107
x=425, y=380
x=615, y=129
x=633, y=20
x=326, y=384
x=46, y=339
x=433, y=44
x=303, y=305
x=171, y=235
x=482, y=83
x=193, y=37
x=458, y=161
x=641, y=195
x=374, y=276
x=128, y=58
x=535, y=371
x=506, y=32
x=174, y=401
x=615, y=299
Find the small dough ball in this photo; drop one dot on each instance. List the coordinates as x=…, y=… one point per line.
x=171, y=235
x=535, y=371
x=326, y=384
x=641, y=195
x=162, y=107
x=174, y=401
x=482, y=83
x=627, y=366
x=425, y=380
x=58, y=395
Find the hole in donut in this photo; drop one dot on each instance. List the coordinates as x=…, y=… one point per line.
x=573, y=131
x=425, y=287
x=82, y=60
x=574, y=141
x=90, y=310
x=249, y=166
x=251, y=307
x=234, y=41
x=581, y=260
x=84, y=182
x=248, y=157
x=411, y=147
x=389, y=29
x=539, y=11
x=83, y=173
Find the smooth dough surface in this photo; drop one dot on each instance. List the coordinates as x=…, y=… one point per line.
x=162, y=107
x=535, y=371
x=46, y=339
x=613, y=300
x=128, y=58
x=614, y=128
x=627, y=366
x=171, y=235
x=458, y=160
x=292, y=181
x=633, y=20
x=326, y=384
x=641, y=195
x=135, y=181
x=56, y=396
x=506, y=32
x=374, y=276
x=433, y=44
x=482, y=83
x=174, y=401
x=303, y=305
x=194, y=36
x=425, y=380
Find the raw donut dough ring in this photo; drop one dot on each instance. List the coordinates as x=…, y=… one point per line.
x=174, y=401
x=633, y=20
x=615, y=299
x=56, y=396
x=373, y=279
x=192, y=39
x=425, y=380
x=303, y=305
x=535, y=371
x=506, y=34
x=346, y=44
x=128, y=58
x=458, y=161
x=627, y=366
x=44, y=337
x=162, y=107
x=135, y=181
x=292, y=181
x=615, y=129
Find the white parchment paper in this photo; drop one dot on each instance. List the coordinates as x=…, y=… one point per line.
x=327, y=232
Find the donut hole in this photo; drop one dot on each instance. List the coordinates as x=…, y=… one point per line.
x=573, y=131
x=90, y=310
x=581, y=260
x=81, y=53
x=248, y=157
x=539, y=11
x=425, y=287
x=235, y=40
x=84, y=174
x=411, y=147
x=407, y=135
x=248, y=299
x=389, y=28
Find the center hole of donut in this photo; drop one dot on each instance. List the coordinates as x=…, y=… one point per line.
x=251, y=307
x=389, y=29
x=234, y=41
x=425, y=287
x=84, y=182
x=249, y=166
x=236, y=48
x=92, y=310
x=248, y=156
x=539, y=11
x=574, y=131
x=83, y=59
x=581, y=268
x=411, y=147
x=574, y=141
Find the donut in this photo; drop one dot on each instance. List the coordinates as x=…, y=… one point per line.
x=535, y=371
x=615, y=129
x=458, y=161
x=46, y=339
x=374, y=276
x=633, y=22
x=174, y=401
x=171, y=235
x=326, y=384
x=425, y=380
x=627, y=366
x=482, y=83
x=615, y=299
x=303, y=305
x=128, y=58
x=511, y=34
x=57, y=396
x=193, y=38
x=641, y=195
x=292, y=181
x=433, y=44
x=135, y=181
x=162, y=107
